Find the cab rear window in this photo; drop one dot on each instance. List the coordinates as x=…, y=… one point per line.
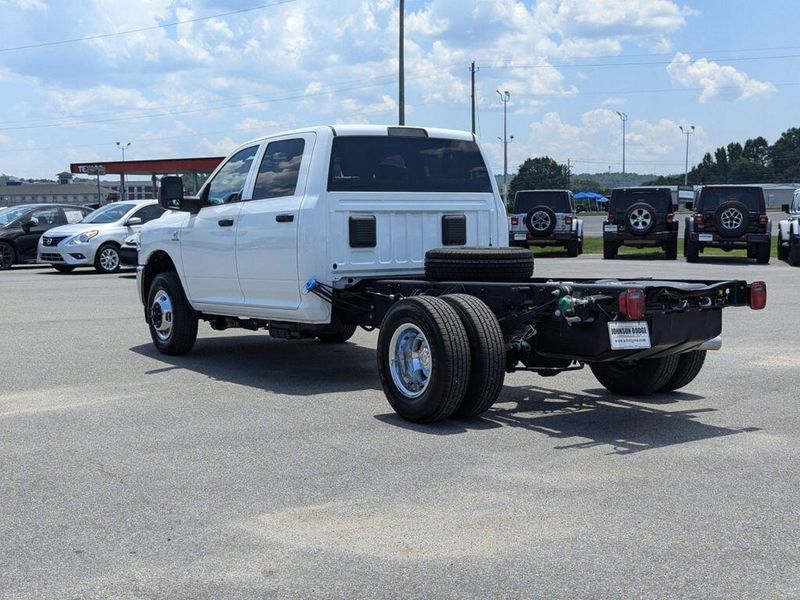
x=558, y=201
x=398, y=164
x=711, y=198
x=661, y=199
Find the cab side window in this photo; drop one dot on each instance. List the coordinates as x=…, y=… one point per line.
x=149, y=213
x=279, y=169
x=228, y=184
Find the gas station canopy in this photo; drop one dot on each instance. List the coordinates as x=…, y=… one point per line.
x=164, y=166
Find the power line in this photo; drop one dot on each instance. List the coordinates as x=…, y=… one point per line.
x=141, y=29
x=629, y=92
x=633, y=64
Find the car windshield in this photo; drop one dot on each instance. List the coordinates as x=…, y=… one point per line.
x=406, y=164
x=660, y=199
x=558, y=201
x=110, y=213
x=11, y=214
x=711, y=198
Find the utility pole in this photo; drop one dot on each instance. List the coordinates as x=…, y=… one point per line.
x=623, y=117
x=122, y=147
x=472, y=70
x=569, y=172
x=689, y=130
x=505, y=96
x=401, y=62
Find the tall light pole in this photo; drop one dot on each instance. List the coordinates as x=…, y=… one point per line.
x=505, y=96
x=122, y=147
x=623, y=117
x=689, y=130
x=401, y=64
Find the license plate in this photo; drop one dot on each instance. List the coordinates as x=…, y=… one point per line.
x=610, y=228
x=520, y=236
x=705, y=237
x=629, y=335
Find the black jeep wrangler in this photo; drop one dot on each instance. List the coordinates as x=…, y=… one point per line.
x=641, y=217
x=731, y=218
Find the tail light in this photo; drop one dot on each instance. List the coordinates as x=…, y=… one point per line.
x=763, y=220
x=515, y=220
x=698, y=219
x=757, y=295
x=567, y=220
x=670, y=217
x=611, y=218
x=632, y=304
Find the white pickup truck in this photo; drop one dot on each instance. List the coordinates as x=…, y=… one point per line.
x=315, y=232
x=789, y=232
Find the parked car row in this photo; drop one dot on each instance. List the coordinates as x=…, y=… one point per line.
x=725, y=217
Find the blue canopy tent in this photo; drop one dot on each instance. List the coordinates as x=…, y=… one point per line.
x=594, y=199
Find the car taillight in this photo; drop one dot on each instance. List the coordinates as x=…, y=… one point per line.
x=567, y=220
x=632, y=304
x=670, y=217
x=698, y=219
x=763, y=220
x=757, y=295
x=515, y=220
x=611, y=218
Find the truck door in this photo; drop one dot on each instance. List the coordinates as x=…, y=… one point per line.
x=208, y=240
x=266, y=238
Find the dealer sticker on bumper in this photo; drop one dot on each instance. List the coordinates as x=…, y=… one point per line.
x=610, y=228
x=705, y=237
x=520, y=236
x=628, y=335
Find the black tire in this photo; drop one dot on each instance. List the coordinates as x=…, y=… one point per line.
x=728, y=210
x=182, y=335
x=580, y=246
x=8, y=256
x=478, y=264
x=763, y=252
x=487, y=352
x=609, y=250
x=794, y=251
x=636, y=378
x=671, y=249
x=640, y=212
x=540, y=221
x=691, y=250
x=689, y=365
x=449, y=358
x=573, y=248
x=103, y=261
x=337, y=333
x=783, y=251
x=64, y=268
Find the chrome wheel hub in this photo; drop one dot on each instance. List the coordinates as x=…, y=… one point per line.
x=640, y=219
x=540, y=220
x=109, y=259
x=161, y=315
x=732, y=218
x=410, y=360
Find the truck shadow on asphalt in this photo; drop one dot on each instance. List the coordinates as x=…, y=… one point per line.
x=597, y=418
x=294, y=368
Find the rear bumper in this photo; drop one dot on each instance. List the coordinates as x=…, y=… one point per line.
x=655, y=237
x=726, y=242
x=557, y=238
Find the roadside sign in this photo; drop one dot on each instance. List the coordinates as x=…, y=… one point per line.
x=92, y=169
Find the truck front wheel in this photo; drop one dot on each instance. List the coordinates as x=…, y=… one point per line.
x=637, y=377
x=173, y=325
x=423, y=359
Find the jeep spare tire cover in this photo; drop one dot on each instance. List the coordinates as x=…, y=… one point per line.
x=478, y=264
x=540, y=220
x=731, y=218
x=640, y=218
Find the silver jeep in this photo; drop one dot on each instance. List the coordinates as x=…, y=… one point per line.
x=545, y=218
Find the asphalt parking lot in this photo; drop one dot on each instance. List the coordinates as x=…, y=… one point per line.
x=264, y=468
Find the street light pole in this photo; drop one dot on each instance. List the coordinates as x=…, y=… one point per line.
x=401, y=64
x=623, y=117
x=689, y=130
x=505, y=96
x=122, y=147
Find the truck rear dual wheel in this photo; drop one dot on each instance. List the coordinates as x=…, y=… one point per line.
x=173, y=324
x=650, y=375
x=440, y=357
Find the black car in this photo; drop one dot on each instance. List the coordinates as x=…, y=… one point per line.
x=731, y=218
x=641, y=217
x=22, y=226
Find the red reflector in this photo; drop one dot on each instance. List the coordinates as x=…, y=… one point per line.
x=610, y=218
x=762, y=220
x=632, y=304
x=567, y=220
x=515, y=220
x=698, y=219
x=670, y=217
x=757, y=296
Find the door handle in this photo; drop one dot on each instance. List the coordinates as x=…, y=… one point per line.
x=225, y=222
x=286, y=218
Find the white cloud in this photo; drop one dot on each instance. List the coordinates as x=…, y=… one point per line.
x=716, y=82
x=614, y=101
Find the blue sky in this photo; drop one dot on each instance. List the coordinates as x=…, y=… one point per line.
x=731, y=68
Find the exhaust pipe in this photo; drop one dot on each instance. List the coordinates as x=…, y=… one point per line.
x=712, y=344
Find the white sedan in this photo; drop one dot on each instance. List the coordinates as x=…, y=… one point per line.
x=96, y=240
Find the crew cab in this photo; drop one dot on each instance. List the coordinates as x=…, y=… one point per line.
x=641, y=217
x=315, y=232
x=789, y=232
x=731, y=218
x=545, y=218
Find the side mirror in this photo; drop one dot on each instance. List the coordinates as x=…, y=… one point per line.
x=785, y=208
x=133, y=221
x=28, y=225
x=170, y=193
x=689, y=206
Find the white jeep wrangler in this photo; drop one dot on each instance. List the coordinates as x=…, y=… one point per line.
x=315, y=232
x=789, y=232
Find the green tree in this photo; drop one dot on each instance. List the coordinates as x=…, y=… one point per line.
x=785, y=155
x=539, y=173
x=757, y=150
